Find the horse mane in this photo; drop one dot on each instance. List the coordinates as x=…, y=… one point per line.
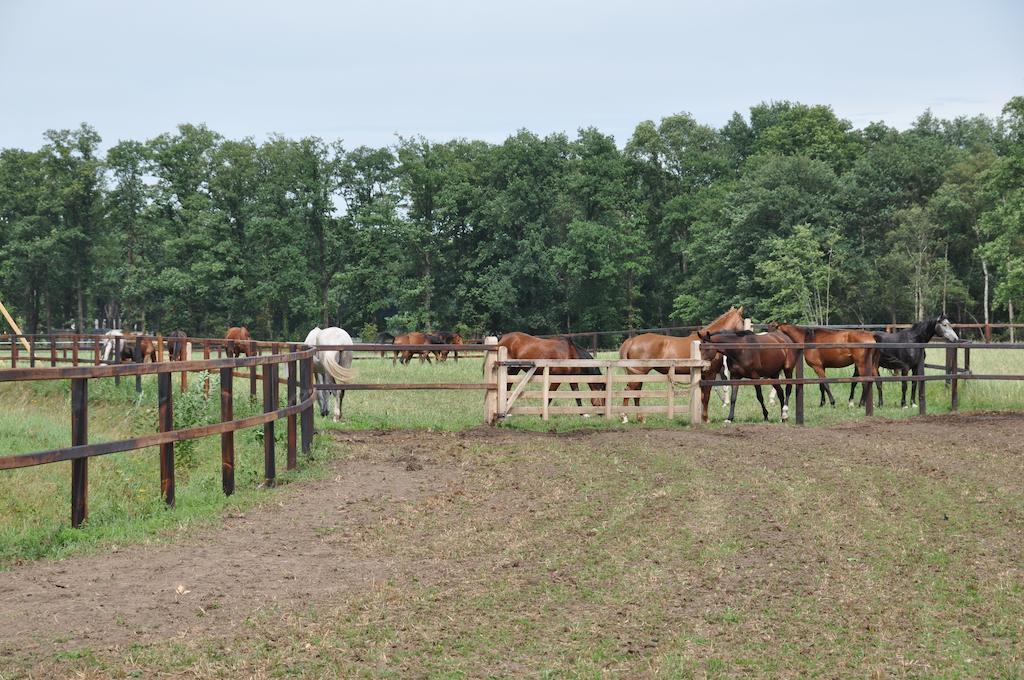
x=732, y=311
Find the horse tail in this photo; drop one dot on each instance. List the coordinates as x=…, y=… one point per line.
x=624, y=348
x=335, y=369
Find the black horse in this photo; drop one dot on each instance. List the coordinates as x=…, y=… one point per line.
x=384, y=338
x=906, y=360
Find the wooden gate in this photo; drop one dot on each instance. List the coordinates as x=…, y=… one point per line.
x=514, y=379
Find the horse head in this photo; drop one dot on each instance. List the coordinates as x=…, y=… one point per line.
x=944, y=328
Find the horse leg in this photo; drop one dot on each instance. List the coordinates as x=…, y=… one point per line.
x=853, y=385
x=760, y=400
x=636, y=400
x=903, y=388
x=552, y=387
x=732, y=403
x=575, y=387
x=783, y=399
x=820, y=372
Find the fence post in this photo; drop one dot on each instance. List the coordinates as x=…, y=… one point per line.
x=671, y=391
x=79, y=437
x=206, y=357
x=748, y=325
x=293, y=369
x=138, y=358
x=544, y=393
x=74, y=350
x=269, y=404
x=96, y=351
x=502, y=379
x=922, y=407
x=160, y=348
x=53, y=352
x=609, y=391
x=696, y=404
x=14, y=351
x=800, y=386
x=306, y=393
x=252, y=373
x=490, y=372
x=32, y=352
x=166, y=420
x=951, y=370
x=227, y=439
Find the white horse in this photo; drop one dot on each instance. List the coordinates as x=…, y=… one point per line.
x=331, y=366
x=113, y=345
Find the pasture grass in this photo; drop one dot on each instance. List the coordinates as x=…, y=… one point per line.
x=124, y=488
x=458, y=410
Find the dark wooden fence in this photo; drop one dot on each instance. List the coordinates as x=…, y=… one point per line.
x=54, y=350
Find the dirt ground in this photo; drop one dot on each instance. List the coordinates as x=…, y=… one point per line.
x=313, y=545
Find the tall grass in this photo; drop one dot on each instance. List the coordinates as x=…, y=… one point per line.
x=124, y=488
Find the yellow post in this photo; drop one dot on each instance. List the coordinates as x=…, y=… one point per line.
x=14, y=325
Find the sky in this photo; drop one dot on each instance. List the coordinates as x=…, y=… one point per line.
x=366, y=71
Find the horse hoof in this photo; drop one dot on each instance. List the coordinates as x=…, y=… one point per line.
x=904, y=406
x=586, y=415
x=625, y=419
x=850, y=404
x=728, y=422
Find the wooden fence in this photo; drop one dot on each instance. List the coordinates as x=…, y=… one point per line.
x=84, y=368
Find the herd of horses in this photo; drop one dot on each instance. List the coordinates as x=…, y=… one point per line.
x=729, y=350
x=735, y=353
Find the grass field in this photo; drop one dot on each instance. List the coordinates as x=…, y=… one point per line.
x=875, y=549
x=123, y=497
x=457, y=410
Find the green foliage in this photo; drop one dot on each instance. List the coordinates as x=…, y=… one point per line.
x=193, y=231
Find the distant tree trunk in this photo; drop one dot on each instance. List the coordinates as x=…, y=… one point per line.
x=80, y=304
x=984, y=269
x=324, y=290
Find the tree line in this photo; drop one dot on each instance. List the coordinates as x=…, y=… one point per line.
x=789, y=211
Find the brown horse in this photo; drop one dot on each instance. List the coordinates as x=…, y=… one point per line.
x=146, y=349
x=655, y=346
x=237, y=342
x=414, y=338
x=864, y=358
x=445, y=338
x=526, y=347
x=177, y=345
x=758, y=358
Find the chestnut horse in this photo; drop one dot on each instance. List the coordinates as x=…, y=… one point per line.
x=756, y=359
x=525, y=346
x=414, y=338
x=237, y=342
x=655, y=346
x=864, y=358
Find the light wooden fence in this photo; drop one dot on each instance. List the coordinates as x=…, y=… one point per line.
x=513, y=379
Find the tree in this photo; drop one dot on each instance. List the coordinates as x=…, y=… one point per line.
x=801, y=269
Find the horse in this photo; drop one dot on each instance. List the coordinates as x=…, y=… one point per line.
x=118, y=345
x=756, y=359
x=864, y=358
x=237, y=342
x=655, y=346
x=525, y=347
x=113, y=345
x=445, y=338
x=414, y=338
x=906, y=360
x=384, y=338
x=177, y=346
x=332, y=366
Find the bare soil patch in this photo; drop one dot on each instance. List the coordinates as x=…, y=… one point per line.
x=756, y=531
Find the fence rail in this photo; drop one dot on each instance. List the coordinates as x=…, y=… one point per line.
x=298, y=359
